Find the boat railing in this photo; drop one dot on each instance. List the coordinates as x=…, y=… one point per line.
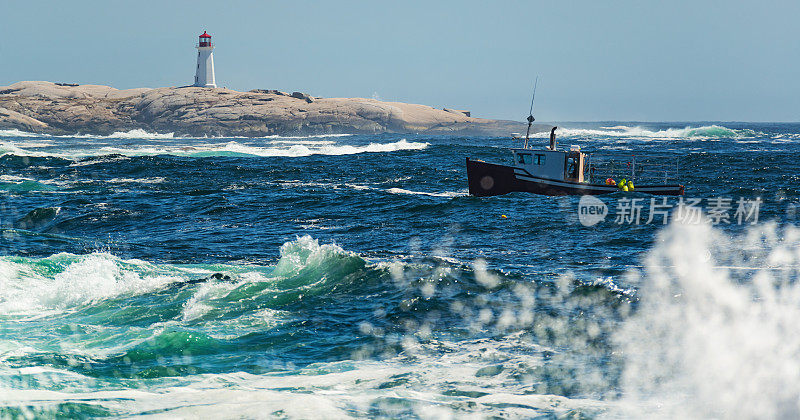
x=636, y=168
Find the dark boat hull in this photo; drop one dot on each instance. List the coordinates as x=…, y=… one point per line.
x=489, y=179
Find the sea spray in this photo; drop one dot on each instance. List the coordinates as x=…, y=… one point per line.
x=716, y=332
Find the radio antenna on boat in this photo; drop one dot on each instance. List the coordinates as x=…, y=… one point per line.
x=530, y=114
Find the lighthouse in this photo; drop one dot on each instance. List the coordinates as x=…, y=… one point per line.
x=204, y=77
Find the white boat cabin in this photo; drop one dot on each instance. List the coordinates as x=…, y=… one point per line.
x=559, y=165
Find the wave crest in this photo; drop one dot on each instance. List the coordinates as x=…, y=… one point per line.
x=66, y=280
x=138, y=133
x=305, y=258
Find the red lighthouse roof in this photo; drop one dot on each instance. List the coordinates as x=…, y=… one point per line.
x=205, y=35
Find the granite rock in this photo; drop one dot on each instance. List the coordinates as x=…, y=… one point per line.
x=47, y=107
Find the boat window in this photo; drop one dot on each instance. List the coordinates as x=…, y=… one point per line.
x=572, y=168
x=524, y=158
x=539, y=160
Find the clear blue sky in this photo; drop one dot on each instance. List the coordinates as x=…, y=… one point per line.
x=598, y=60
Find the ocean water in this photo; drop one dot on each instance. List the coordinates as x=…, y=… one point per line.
x=145, y=274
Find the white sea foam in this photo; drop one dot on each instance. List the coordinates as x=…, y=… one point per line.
x=400, y=191
x=443, y=386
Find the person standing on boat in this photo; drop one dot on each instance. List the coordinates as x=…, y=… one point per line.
x=553, y=138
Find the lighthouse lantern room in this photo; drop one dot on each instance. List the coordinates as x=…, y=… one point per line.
x=204, y=77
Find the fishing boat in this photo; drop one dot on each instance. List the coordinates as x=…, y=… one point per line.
x=551, y=171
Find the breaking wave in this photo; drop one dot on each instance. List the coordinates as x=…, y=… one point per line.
x=29, y=286
x=17, y=133
x=125, y=324
x=232, y=148
x=20, y=184
x=138, y=133
x=697, y=133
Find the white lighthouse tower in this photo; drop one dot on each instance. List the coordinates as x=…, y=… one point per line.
x=204, y=77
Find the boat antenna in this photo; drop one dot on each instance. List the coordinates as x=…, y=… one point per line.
x=530, y=114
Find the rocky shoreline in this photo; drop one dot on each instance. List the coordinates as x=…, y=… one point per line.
x=64, y=109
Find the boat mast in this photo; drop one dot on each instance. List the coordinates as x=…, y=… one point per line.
x=530, y=114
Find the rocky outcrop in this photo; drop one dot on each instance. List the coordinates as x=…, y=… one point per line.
x=15, y=120
x=92, y=109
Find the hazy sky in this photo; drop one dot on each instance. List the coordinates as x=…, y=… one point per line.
x=598, y=60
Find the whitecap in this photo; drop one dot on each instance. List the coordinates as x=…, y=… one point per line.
x=429, y=194
x=138, y=133
x=17, y=133
x=153, y=180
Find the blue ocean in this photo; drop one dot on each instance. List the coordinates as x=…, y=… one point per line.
x=146, y=274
